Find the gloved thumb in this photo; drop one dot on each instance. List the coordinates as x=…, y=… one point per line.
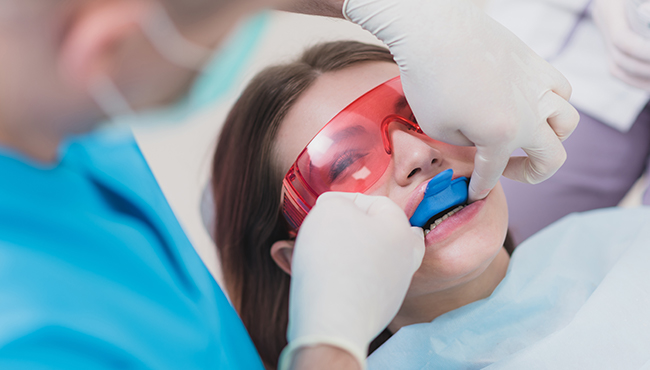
x=418, y=252
x=371, y=205
x=488, y=167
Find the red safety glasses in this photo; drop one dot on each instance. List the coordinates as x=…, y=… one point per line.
x=350, y=153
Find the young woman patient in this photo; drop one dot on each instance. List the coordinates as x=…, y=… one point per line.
x=278, y=115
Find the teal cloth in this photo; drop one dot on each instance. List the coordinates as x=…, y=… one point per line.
x=576, y=296
x=97, y=273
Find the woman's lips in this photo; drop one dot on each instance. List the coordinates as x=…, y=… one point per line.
x=416, y=198
x=452, y=224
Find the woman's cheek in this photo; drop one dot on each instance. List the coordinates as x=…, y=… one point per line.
x=383, y=187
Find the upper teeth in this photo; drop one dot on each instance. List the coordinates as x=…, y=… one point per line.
x=439, y=221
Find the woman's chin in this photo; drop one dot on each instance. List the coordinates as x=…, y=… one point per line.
x=452, y=268
x=464, y=245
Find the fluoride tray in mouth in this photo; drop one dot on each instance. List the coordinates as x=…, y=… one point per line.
x=441, y=196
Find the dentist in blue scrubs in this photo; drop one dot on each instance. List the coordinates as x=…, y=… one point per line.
x=95, y=270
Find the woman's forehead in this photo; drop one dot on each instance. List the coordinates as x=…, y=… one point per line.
x=330, y=93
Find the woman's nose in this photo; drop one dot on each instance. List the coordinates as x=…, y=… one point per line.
x=414, y=157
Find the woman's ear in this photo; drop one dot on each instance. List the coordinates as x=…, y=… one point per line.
x=282, y=253
x=94, y=35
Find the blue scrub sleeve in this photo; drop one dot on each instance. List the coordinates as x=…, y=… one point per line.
x=97, y=273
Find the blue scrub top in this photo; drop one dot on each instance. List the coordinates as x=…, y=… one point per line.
x=97, y=273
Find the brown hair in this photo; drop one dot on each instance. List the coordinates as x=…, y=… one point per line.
x=247, y=188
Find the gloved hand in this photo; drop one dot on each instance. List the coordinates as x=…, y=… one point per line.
x=471, y=81
x=353, y=262
x=629, y=51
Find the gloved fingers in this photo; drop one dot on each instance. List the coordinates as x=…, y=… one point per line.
x=630, y=64
x=627, y=68
x=611, y=18
x=335, y=196
x=561, y=116
x=638, y=82
x=371, y=205
x=560, y=85
x=418, y=253
x=545, y=157
x=385, y=208
x=433, y=130
x=632, y=44
x=453, y=137
x=489, y=163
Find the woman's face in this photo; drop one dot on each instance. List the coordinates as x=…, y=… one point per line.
x=461, y=247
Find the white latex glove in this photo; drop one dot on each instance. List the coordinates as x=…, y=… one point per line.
x=352, y=264
x=471, y=81
x=629, y=51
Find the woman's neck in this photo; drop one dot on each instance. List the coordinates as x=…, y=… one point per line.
x=427, y=307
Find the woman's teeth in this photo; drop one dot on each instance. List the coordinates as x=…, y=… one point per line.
x=441, y=219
